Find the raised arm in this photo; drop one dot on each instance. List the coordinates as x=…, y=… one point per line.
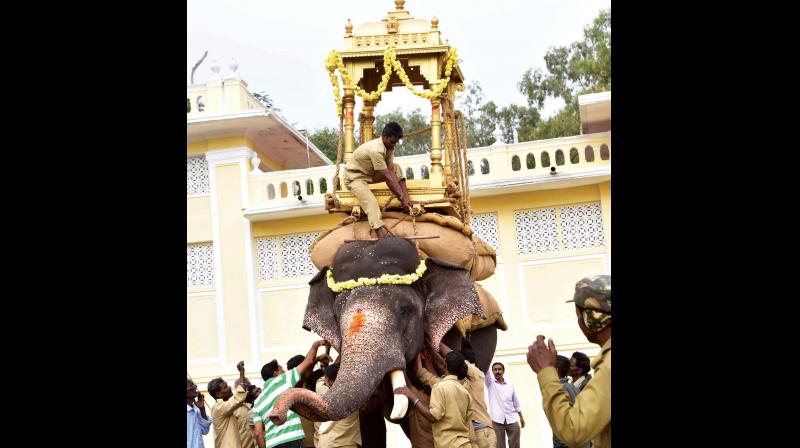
x=417, y=404
x=311, y=358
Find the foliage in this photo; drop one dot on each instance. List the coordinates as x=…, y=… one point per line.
x=265, y=100
x=326, y=139
x=412, y=121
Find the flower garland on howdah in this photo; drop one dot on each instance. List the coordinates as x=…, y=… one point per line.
x=385, y=279
x=390, y=61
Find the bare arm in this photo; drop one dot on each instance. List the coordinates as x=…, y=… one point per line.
x=416, y=403
x=394, y=184
x=260, y=435
x=311, y=358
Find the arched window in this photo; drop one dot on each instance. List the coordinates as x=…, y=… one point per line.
x=309, y=187
x=559, y=157
x=424, y=173
x=545, y=159
x=470, y=168
x=484, y=166
x=409, y=173
x=296, y=188
x=270, y=191
x=530, y=161
x=284, y=190
x=323, y=185
x=515, y=165
x=589, y=154
x=573, y=156
x=604, y=152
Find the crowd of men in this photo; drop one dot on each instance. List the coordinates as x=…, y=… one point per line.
x=577, y=404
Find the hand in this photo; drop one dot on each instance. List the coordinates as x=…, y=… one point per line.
x=405, y=391
x=319, y=343
x=541, y=355
x=521, y=422
x=201, y=400
x=324, y=360
x=240, y=367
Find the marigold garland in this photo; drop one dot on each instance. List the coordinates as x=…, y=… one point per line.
x=334, y=61
x=385, y=279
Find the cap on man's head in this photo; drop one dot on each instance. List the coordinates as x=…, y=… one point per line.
x=593, y=293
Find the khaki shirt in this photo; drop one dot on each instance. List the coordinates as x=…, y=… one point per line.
x=474, y=385
x=226, y=431
x=345, y=432
x=590, y=417
x=244, y=424
x=368, y=158
x=450, y=403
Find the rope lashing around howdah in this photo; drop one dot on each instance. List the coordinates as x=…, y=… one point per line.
x=385, y=279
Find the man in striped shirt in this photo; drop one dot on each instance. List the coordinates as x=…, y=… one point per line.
x=277, y=381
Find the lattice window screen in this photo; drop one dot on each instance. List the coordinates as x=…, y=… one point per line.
x=199, y=265
x=582, y=226
x=285, y=256
x=197, y=176
x=485, y=227
x=295, y=256
x=536, y=231
x=267, y=249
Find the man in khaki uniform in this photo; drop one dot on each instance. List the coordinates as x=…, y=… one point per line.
x=450, y=405
x=590, y=417
x=485, y=436
x=226, y=429
x=344, y=433
x=371, y=163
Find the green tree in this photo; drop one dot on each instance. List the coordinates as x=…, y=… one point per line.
x=582, y=67
x=326, y=139
x=481, y=117
x=479, y=122
x=411, y=121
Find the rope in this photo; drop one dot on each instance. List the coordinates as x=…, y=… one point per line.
x=337, y=203
x=416, y=133
x=466, y=165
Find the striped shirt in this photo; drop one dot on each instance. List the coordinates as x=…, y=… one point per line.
x=293, y=428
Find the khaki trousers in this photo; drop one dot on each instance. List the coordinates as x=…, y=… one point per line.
x=359, y=185
x=484, y=438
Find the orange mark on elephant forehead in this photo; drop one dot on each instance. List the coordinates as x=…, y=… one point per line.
x=357, y=322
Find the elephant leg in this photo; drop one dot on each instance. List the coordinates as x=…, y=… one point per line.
x=373, y=428
x=483, y=343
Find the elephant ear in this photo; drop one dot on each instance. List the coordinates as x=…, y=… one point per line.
x=449, y=296
x=319, y=316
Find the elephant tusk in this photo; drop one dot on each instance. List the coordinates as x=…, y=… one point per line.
x=400, y=401
x=325, y=427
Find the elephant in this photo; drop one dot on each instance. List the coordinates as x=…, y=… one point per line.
x=380, y=328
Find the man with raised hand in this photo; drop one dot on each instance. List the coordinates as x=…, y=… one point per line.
x=277, y=381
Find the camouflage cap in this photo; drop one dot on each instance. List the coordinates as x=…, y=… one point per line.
x=593, y=293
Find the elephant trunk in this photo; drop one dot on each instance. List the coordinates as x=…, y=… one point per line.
x=370, y=350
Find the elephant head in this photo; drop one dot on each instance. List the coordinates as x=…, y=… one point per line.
x=378, y=328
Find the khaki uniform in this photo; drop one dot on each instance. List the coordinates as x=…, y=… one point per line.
x=345, y=433
x=590, y=417
x=450, y=404
x=226, y=430
x=480, y=438
x=363, y=169
x=244, y=423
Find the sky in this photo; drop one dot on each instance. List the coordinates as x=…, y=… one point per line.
x=280, y=45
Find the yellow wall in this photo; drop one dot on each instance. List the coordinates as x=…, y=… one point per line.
x=198, y=220
x=531, y=288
